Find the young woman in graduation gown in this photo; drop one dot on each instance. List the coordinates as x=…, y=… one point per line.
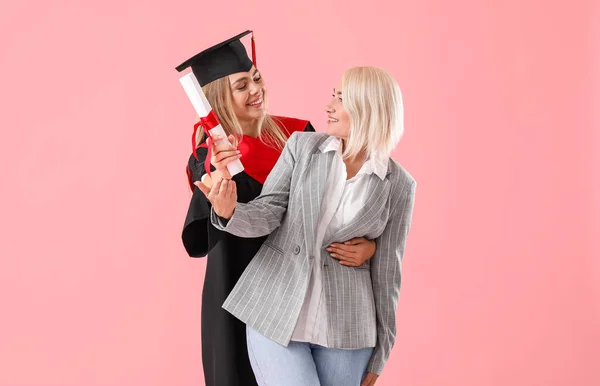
x=239, y=98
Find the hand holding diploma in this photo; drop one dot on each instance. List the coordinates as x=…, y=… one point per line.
x=223, y=153
x=208, y=122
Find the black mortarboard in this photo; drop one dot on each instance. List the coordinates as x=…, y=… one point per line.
x=225, y=58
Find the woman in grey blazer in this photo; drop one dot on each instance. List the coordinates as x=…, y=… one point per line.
x=311, y=320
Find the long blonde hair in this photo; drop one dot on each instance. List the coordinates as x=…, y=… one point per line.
x=373, y=101
x=219, y=96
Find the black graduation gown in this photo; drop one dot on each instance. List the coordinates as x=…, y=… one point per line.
x=224, y=350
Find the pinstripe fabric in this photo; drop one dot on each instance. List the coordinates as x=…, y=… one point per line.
x=361, y=301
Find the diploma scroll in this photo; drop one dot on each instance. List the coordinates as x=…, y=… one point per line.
x=194, y=92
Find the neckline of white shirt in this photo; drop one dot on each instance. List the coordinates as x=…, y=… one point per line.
x=371, y=165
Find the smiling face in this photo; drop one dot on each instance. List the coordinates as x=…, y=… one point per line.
x=248, y=94
x=338, y=122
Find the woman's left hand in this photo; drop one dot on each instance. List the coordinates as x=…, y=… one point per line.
x=222, y=196
x=353, y=253
x=369, y=379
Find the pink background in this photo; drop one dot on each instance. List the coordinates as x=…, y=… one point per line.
x=502, y=272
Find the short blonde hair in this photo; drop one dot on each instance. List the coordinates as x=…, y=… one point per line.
x=218, y=94
x=373, y=101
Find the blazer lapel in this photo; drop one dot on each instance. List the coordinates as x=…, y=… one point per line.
x=316, y=179
x=376, y=202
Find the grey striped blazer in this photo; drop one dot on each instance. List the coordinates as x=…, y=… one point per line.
x=361, y=301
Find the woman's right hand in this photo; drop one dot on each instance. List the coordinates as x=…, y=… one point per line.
x=223, y=154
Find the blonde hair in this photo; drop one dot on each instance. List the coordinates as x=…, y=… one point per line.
x=373, y=101
x=219, y=96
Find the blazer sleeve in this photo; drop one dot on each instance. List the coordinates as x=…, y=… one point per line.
x=264, y=214
x=386, y=273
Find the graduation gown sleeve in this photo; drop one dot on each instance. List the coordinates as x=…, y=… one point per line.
x=195, y=228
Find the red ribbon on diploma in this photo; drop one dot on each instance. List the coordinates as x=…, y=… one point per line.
x=208, y=122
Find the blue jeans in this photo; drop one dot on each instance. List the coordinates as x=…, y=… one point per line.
x=304, y=364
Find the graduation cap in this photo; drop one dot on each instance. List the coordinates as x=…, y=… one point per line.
x=226, y=58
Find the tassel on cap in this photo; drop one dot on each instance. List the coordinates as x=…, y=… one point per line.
x=253, y=50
